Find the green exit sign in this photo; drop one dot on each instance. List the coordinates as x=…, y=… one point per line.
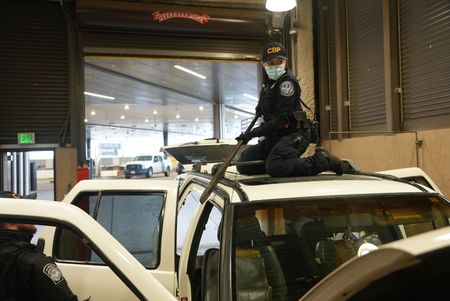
x=25, y=138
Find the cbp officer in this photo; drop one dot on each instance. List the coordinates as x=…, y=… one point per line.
x=25, y=273
x=284, y=133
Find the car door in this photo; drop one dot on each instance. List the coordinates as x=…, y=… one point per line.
x=157, y=164
x=137, y=220
x=198, y=236
x=124, y=271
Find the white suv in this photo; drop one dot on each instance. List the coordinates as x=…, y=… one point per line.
x=271, y=238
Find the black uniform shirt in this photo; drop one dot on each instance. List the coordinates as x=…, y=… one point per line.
x=27, y=275
x=278, y=100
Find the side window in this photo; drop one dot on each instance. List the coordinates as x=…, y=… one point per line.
x=132, y=218
x=203, y=263
x=209, y=238
x=156, y=159
x=184, y=217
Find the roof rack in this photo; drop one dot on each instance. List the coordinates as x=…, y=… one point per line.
x=351, y=169
x=388, y=177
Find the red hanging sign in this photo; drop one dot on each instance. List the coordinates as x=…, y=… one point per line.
x=160, y=17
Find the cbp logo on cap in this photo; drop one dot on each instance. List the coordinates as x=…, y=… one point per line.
x=272, y=50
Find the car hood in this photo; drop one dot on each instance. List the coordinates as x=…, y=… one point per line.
x=205, y=151
x=342, y=283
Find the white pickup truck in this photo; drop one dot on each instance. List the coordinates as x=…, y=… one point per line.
x=254, y=238
x=147, y=165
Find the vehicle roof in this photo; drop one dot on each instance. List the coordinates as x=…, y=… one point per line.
x=122, y=184
x=265, y=187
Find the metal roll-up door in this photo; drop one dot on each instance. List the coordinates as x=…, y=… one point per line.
x=425, y=59
x=171, y=30
x=127, y=44
x=366, y=64
x=332, y=89
x=34, y=70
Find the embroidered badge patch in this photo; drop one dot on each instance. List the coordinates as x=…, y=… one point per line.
x=53, y=272
x=287, y=88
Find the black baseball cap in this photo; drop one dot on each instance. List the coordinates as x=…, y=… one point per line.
x=272, y=50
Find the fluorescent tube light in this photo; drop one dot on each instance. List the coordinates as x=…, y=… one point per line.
x=189, y=71
x=280, y=5
x=99, y=95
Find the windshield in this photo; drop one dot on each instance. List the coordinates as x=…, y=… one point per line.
x=143, y=158
x=280, y=250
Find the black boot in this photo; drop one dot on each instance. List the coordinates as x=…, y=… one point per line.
x=334, y=163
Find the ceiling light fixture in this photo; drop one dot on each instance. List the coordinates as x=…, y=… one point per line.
x=85, y=120
x=146, y=120
x=189, y=71
x=126, y=107
x=155, y=112
x=250, y=96
x=280, y=5
x=99, y=95
x=196, y=119
x=93, y=113
x=177, y=116
x=201, y=108
x=122, y=116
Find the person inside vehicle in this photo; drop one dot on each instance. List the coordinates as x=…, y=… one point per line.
x=284, y=133
x=25, y=273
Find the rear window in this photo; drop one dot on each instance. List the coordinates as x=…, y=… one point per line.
x=288, y=247
x=143, y=158
x=133, y=218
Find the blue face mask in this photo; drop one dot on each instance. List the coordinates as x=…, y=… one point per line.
x=276, y=71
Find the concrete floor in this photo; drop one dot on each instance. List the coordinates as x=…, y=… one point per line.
x=45, y=189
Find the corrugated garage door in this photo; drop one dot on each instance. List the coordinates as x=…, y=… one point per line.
x=129, y=44
x=332, y=89
x=34, y=70
x=170, y=30
x=425, y=57
x=366, y=64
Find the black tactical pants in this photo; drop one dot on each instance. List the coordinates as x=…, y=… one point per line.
x=281, y=157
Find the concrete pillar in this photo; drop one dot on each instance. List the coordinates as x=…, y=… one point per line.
x=26, y=173
x=65, y=169
x=304, y=51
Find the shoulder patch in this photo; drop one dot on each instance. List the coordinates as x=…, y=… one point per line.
x=52, y=271
x=287, y=88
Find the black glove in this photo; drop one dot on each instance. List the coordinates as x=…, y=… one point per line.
x=244, y=137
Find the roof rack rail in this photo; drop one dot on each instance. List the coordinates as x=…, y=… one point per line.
x=387, y=177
